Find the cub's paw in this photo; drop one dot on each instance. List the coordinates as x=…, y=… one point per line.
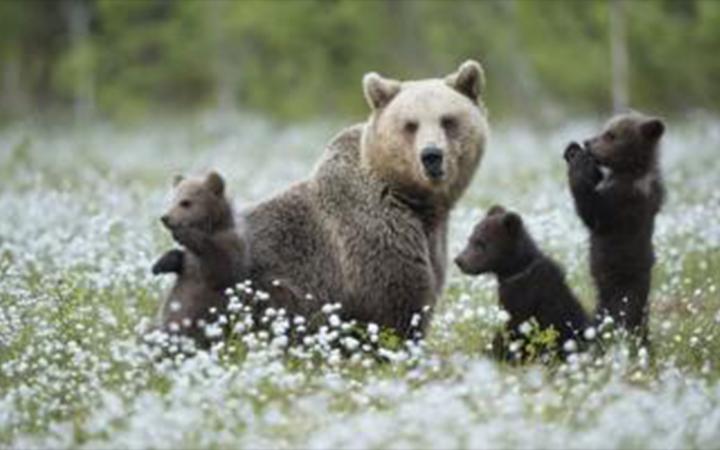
x=170, y=262
x=572, y=151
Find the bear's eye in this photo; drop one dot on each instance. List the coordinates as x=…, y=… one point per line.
x=479, y=244
x=410, y=126
x=449, y=123
x=610, y=136
x=185, y=203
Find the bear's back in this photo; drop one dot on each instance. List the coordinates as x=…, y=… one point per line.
x=289, y=242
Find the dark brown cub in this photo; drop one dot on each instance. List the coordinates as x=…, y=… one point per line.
x=617, y=188
x=531, y=285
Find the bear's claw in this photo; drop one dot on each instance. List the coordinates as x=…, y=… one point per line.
x=571, y=151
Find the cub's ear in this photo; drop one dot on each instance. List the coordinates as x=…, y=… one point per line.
x=215, y=183
x=652, y=129
x=469, y=79
x=495, y=209
x=177, y=179
x=378, y=90
x=513, y=223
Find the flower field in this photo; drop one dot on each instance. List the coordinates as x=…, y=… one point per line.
x=80, y=230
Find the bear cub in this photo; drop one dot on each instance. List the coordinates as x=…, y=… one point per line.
x=531, y=285
x=617, y=188
x=200, y=219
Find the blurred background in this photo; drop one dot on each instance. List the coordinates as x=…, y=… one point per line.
x=300, y=60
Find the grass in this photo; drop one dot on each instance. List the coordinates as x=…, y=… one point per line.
x=80, y=231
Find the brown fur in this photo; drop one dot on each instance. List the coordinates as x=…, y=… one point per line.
x=368, y=229
x=201, y=220
x=531, y=285
x=619, y=208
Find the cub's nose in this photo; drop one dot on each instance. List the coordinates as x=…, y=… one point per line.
x=165, y=220
x=586, y=144
x=460, y=263
x=432, y=160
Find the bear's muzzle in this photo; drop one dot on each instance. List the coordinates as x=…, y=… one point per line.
x=432, y=160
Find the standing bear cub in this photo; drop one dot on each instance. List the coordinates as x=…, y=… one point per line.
x=531, y=285
x=616, y=184
x=201, y=220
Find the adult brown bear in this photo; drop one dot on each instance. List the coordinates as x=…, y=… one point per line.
x=368, y=229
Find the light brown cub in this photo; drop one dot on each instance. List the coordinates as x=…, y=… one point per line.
x=201, y=220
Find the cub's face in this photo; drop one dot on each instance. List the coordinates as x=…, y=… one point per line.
x=627, y=143
x=426, y=137
x=197, y=203
x=492, y=242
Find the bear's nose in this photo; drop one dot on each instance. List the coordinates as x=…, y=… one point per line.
x=165, y=220
x=432, y=159
x=586, y=144
x=460, y=262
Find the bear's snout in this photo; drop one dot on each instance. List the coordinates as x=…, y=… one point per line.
x=461, y=262
x=165, y=219
x=432, y=160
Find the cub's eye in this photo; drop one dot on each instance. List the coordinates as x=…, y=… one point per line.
x=449, y=123
x=410, y=126
x=185, y=203
x=609, y=136
x=479, y=244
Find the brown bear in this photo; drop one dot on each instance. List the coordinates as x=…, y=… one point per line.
x=531, y=285
x=200, y=219
x=618, y=190
x=369, y=228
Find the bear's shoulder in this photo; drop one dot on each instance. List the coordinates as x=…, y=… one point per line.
x=338, y=177
x=343, y=149
x=347, y=140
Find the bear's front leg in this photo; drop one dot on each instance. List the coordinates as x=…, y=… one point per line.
x=584, y=176
x=583, y=171
x=170, y=262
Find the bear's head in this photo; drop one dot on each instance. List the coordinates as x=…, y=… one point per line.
x=627, y=143
x=425, y=138
x=199, y=203
x=498, y=244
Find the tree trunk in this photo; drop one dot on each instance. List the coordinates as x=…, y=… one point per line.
x=12, y=98
x=619, y=56
x=78, y=21
x=220, y=60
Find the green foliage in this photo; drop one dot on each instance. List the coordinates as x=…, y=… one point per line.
x=541, y=341
x=534, y=345
x=294, y=60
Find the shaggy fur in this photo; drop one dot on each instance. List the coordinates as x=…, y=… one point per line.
x=616, y=184
x=531, y=285
x=201, y=220
x=369, y=228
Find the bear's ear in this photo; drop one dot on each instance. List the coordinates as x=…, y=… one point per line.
x=652, y=129
x=177, y=179
x=378, y=90
x=469, y=79
x=495, y=209
x=512, y=222
x=215, y=183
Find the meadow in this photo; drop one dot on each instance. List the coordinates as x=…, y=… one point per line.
x=80, y=230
